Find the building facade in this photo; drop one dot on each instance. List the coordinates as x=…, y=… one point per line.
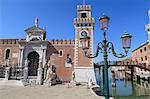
x=142, y=54
x=35, y=52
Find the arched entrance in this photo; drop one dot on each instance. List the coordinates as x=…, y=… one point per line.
x=33, y=58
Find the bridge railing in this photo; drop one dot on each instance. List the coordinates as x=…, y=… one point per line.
x=125, y=63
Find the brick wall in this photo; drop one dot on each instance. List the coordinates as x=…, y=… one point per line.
x=142, y=54
x=52, y=54
x=11, y=44
x=54, y=58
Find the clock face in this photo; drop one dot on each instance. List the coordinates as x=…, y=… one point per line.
x=84, y=33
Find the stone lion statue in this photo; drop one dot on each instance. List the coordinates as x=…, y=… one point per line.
x=51, y=75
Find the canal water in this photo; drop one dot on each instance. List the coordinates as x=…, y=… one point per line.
x=125, y=89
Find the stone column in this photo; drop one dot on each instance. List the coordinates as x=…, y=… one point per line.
x=45, y=69
x=44, y=56
x=7, y=73
x=21, y=57
x=40, y=74
x=25, y=73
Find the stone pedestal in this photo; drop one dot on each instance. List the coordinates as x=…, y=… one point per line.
x=7, y=73
x=25, y=73
x=40, y=76
x=83, y=74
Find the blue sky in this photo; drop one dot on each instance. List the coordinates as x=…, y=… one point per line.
x=57, y=16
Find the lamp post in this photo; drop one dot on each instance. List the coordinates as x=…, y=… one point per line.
x=105, y=48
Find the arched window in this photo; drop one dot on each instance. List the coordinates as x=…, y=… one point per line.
x=7, y=54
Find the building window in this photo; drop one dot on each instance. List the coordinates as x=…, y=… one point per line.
x=7, y=54
x=141, y=50
x=141, y=58
x=60, y=53
x=144, y=48
x=83, y=15
x=145, y=57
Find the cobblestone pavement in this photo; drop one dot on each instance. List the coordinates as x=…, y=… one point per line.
x=45, y=92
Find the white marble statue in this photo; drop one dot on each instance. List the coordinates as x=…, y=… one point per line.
x=50, y=75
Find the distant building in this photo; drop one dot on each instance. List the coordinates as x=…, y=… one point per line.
x=142, y=54
x=38, y=51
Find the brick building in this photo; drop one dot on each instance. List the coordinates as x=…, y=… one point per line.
x=142, y=54
x=35, y=51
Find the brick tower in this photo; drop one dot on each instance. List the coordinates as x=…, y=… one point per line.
x=83, y=24
x=147, y=28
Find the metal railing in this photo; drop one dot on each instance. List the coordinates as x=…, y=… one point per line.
x=16, y=73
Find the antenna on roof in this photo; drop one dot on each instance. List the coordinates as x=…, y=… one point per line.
x=84, y=2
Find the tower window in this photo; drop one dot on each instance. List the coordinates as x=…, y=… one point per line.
x=141, y=50
x=83, y=15
x=7, y=54
x=141, y=58
x=145, y=57
x=60, y=53
x=144, y=48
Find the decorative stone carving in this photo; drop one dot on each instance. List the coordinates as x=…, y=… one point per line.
x=26, y=62
x=45, y=69
x=7, y=73
x=39, y=78
x=40, y=74
x=68, y=61
x=51, y=76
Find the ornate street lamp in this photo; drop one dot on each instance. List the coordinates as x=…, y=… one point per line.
x=105, y=48
x=126, y=41
x=104, y=21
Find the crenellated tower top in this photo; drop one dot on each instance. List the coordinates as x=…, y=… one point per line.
x=84, y=16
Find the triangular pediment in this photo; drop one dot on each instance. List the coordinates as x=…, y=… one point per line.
x=34, y=28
